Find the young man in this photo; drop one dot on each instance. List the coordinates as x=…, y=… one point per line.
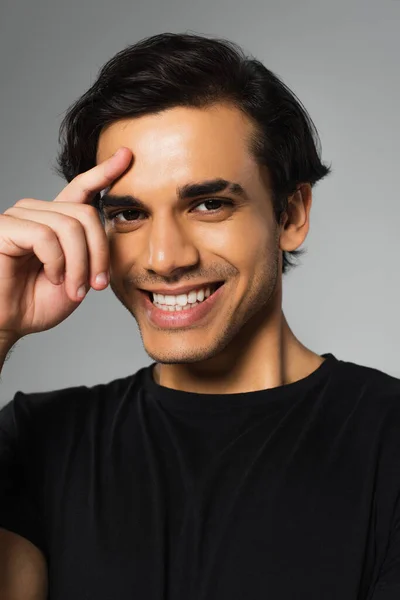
x=239, y=464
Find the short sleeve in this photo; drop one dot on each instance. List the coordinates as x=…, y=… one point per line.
x=19, y=511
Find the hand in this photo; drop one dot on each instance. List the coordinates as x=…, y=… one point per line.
x=41, y=241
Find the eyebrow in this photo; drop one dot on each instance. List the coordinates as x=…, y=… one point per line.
x=186, y=192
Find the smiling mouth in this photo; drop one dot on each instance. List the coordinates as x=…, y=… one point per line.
x=213, y=287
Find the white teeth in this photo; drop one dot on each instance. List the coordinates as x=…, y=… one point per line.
x=183, y=300
x=175, y=308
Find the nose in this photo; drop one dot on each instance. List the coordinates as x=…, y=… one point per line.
x=170, y=247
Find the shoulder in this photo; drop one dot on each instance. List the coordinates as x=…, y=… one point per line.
x=368, y=381
x=368, y=396
x=65, y=406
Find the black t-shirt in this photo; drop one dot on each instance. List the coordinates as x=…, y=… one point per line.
x=136, y=491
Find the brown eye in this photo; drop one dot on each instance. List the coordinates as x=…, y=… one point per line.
x=112, y=216
x=213, y=201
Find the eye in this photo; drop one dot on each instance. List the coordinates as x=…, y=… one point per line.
x=215, y=200
x=112, y=217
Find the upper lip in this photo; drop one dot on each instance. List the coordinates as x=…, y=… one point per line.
x=181, y=290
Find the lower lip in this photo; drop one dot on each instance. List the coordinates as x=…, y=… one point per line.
x=180, y=318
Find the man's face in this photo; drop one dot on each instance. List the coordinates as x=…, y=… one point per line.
x=179, y=242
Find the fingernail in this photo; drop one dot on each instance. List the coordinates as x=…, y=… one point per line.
x=102, y=279
x=81, y=292
x=117, y=152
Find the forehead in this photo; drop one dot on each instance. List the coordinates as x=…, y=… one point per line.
x=213, y=140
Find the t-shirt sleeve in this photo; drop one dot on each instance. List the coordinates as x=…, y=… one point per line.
x=19, y=508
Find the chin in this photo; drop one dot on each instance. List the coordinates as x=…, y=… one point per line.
x=181, y=356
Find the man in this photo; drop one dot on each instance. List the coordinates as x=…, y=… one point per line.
x=239, y=464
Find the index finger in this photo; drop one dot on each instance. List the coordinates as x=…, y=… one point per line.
x=85, y=186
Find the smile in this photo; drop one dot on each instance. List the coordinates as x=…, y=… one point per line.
x=182, y=310
x=187, y=301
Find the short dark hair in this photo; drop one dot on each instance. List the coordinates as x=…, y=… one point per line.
x=169, y=70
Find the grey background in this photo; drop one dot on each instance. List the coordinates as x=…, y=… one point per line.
x=341, y=58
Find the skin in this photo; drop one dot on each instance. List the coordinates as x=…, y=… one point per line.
x=248, y=344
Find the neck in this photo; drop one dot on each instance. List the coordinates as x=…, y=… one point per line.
x=264, y=354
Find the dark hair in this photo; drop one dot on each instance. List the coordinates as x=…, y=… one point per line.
x=169, y=70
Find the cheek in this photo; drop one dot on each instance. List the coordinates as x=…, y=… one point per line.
x=246, y=243
x=119, y=251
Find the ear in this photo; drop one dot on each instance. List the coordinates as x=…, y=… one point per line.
x=295, y=221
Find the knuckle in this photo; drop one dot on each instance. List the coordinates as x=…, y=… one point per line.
x=24, y=201
x=20, y=202
x=88, y=210
x=60, y=258
x=72, y=225
x=9, y=210
x=45, y=233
